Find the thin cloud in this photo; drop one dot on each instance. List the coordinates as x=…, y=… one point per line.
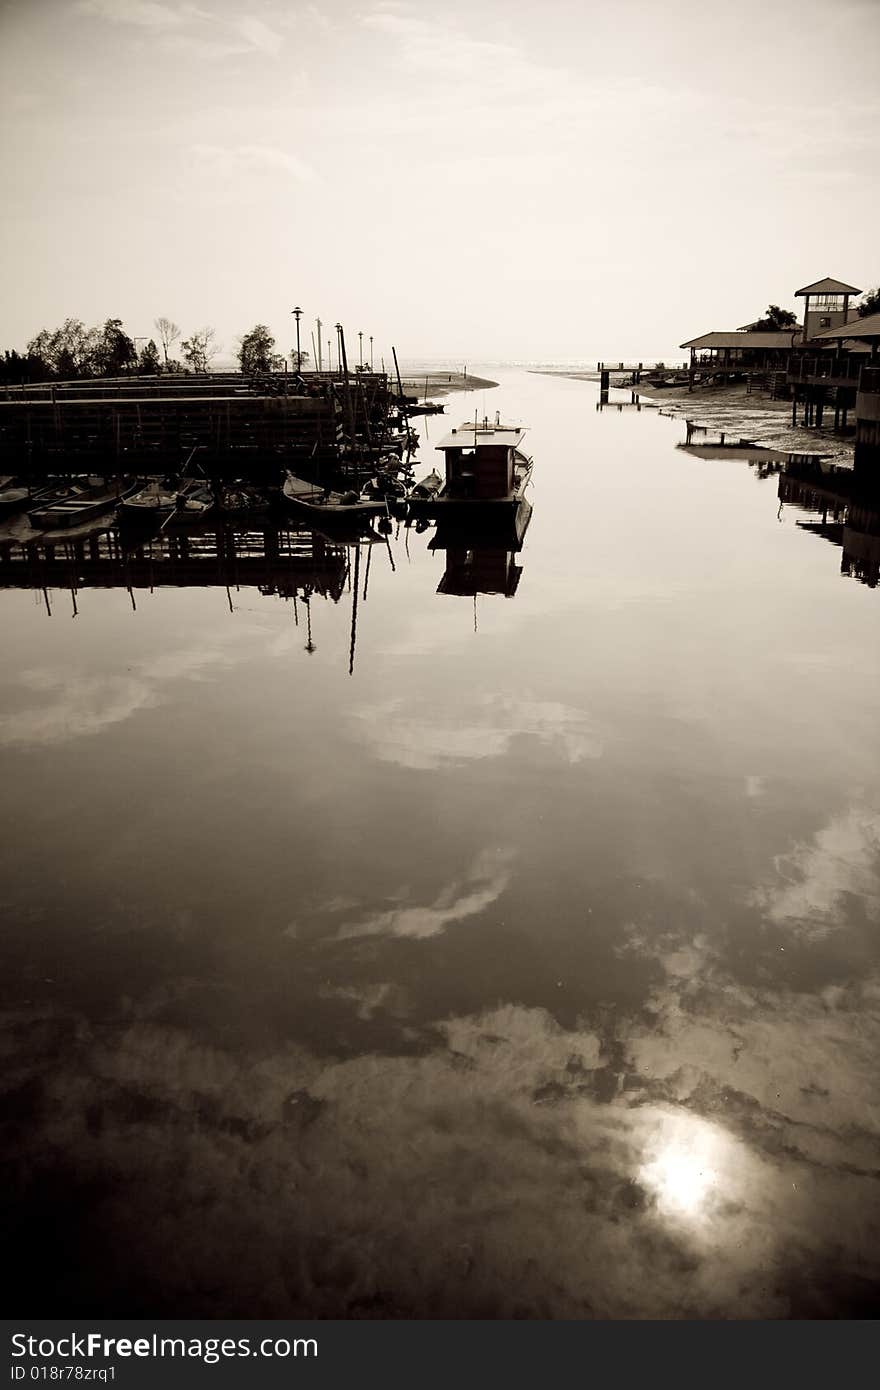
x=189, y=28
x=814, y=878
x=230, y=161
x=487, y=879
x=484, y=728
x=144, y=14
x=76, y=706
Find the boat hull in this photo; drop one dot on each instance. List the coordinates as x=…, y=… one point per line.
x=465, y=509
x=77, y=511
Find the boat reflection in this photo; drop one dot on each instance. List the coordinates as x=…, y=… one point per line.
x=481, y=560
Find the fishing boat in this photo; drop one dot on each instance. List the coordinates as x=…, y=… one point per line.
x=84, y=500
x=150, y=503
x=486, y=474
x=309, y=499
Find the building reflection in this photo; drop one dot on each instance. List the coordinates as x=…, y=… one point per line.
x=847, y=512
x=844, y=502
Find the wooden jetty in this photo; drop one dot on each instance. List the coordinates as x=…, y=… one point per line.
x=224, y=423
x=631, y=373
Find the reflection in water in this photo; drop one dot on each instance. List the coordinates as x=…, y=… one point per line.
x=847, y=502
x=686, y=1171
x=849, y=511
x=526, y=976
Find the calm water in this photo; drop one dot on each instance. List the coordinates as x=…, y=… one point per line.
x=529, y=970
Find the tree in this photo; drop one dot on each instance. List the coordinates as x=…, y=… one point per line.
x=199, y=349
x=148, y=362
x=303, y=359
x=168, y=335
x=114, y=352
x=870, y=304
x=775, y=320
x=255, y=352
x=69, y=351
x=16, y=367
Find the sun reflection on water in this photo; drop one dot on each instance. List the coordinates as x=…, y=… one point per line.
x=690, y=1163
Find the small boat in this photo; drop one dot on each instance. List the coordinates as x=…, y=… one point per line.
x=16, y=496
x=84, y=500
x=155, y=501
x=427, y=487
x=486, y=474
x=311, y=500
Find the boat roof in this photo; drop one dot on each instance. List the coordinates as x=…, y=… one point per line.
x=468, y=436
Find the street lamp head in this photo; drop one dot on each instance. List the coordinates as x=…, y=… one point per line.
x=296, y=311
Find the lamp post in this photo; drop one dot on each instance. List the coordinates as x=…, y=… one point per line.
x=297, y=314
x=360, y=348
x=371, y=352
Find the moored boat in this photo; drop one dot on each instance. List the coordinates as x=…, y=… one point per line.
x=486, y=474
x=309, y=499
x=149, y=503
x=84, y=500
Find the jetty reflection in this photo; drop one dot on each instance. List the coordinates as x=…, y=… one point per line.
x=276, y=557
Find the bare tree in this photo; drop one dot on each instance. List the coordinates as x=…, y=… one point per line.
x=199, y=349
x=168, y=335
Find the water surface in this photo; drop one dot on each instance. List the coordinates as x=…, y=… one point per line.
x=452, y=954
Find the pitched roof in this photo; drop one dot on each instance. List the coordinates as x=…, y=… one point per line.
x=827, y=286
x=748, y=340
x=868, y=327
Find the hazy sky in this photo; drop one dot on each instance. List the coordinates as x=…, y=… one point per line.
x=500, y=180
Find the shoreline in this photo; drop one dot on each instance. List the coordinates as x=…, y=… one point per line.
x=442, y=383
x=732, y=409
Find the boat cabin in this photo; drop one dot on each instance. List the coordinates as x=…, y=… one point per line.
x=480, y=460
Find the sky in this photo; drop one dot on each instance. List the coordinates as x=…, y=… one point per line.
x=484, y=180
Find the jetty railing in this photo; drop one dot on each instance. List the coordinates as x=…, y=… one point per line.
x=826, y=369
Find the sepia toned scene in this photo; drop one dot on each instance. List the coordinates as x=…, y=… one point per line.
x=439, y=551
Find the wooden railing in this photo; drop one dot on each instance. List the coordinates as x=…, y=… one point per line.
x=831, y=369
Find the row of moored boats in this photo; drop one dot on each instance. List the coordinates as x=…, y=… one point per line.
x=485, y=475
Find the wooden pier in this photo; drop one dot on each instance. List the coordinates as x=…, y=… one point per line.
x=224, y=424
x=631, y=373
